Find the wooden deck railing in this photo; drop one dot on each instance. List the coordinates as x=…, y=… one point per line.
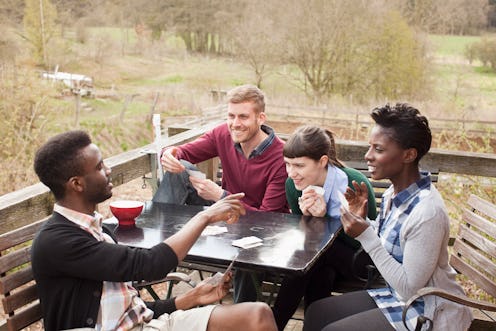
x=35, y=202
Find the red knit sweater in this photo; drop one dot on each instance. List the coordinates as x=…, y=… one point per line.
x=261, y=178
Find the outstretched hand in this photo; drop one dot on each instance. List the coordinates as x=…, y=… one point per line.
x=357, y=198
x=353, y=216
x=228, y=209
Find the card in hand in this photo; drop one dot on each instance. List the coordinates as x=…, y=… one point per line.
x=196, y=174
x=344, y=202
x=219, y=276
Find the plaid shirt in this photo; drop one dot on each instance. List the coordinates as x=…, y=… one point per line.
x=120, y=306
x=390, y=223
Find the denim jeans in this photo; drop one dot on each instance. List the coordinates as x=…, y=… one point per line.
x=177, y=189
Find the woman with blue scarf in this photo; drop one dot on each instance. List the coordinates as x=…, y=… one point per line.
x=407, y=243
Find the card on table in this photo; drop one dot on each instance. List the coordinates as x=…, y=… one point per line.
x=212, y=230
x=247, y=242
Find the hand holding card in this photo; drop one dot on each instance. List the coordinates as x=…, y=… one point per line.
x=219, y=277
x=196, y=174
x=344, y=202
x=317, y=189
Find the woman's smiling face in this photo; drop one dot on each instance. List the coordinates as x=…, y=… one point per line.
x=385, y=156
x=305, y=171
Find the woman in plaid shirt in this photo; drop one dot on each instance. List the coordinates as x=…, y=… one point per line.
x=408, y=243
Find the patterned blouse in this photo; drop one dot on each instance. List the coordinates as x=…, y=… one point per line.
x=394, y=211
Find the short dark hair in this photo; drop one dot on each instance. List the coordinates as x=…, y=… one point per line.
x=59, y=159
x=247, y=93
x=313, y=142
x=408, y=127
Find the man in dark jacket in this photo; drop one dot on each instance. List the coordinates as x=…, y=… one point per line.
x=84, y=277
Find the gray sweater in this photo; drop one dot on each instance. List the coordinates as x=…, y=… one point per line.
x=424, y=241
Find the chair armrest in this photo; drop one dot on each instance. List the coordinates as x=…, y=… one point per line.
x=171, y=277
x=178, y=276
x=463, y=300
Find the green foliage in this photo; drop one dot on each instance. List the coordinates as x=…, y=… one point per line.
x=450, y=45
x=24, y=109
x=157, y=81
x=397, y=61
x=39, y=27
x=484, y=51
x=82, y=34
x=8, y=46
x=11, y=11
x=456, y=17
x=353, y=49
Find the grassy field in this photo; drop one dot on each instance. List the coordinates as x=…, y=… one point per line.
x=130, y=73
x=460, y=89
x=447, y=45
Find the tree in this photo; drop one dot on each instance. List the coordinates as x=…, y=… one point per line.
x=39, y=27
x=345, y=48
x=11, y=11
x=447, y=17
x=254, y=37
x=197, y=22
x=396, y=60
x=71, y=11
x=23, y=108
x=8, y=47
x=484, y=51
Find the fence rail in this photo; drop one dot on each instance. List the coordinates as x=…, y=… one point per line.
x=363, y=117
x=35, y=202
x=355, y=120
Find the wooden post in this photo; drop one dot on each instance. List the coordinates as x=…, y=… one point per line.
x=77, y=94
x=154, y=104
x=128, y=100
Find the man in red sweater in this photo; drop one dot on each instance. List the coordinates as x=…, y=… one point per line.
x=250, y=153
x=252, y=162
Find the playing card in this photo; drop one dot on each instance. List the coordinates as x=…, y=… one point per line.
x=344, y=202
x=196, y=174
x=318, y=189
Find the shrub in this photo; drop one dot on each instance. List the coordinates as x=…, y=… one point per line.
x=484, y=51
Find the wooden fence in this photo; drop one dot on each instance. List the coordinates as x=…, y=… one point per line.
x=350, y=119
x=35, y=202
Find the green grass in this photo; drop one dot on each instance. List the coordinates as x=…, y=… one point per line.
x=187, y=79
x=117, y=34
x=105, y=108
x=462, y=87
x=158, y=81
x=451, y=45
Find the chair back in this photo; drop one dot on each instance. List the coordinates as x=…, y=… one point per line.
x=474, y=250
x=17, y=286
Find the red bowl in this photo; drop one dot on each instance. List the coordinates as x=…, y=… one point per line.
x=126, y=211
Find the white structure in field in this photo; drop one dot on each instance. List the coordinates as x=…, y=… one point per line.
x=78, y=84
